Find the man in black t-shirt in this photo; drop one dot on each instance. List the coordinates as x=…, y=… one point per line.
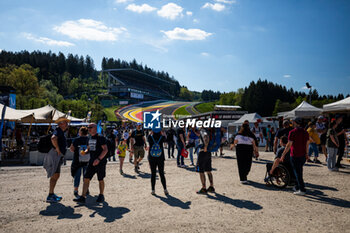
x=138, y=145
x=170, y=140
x=97, y=147
x=113, y=140
x=280, y=133
x=342, y=139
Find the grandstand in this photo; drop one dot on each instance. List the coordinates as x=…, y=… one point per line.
x=132, y=85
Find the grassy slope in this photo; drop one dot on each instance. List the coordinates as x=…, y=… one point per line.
x=181, y=111
x=205, y=107
x=110, y=113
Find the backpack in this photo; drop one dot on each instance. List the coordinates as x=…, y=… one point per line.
x=214, y=140
x=45, y=144
x=156, y=151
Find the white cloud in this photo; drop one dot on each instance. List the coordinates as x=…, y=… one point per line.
x=88, y=29
x=287, y=76
x=122, y=1
x=226, y=1
x=186, y=34
x=195, y=20
x=140, y=8
x=215, y=6
x=304, y=88
x=189, y=13
x=170, y=11
x=48, y=41
x=204, y=54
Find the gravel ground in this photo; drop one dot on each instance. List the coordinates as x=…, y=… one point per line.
x=130, y=207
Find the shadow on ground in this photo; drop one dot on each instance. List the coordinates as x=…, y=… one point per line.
x=104, y=210
x=174, y=202
x=61, y=211
x=243, y=204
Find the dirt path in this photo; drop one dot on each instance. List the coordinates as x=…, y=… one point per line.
x=130, y=207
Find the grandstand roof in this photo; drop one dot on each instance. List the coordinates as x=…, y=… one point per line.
x=129, y=73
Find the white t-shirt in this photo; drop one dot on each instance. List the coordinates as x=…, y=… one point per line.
x=245, y=140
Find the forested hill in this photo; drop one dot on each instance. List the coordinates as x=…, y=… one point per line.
x=67, y=82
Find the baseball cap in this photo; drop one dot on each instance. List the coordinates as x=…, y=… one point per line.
x=138, y=123
x=298, y=120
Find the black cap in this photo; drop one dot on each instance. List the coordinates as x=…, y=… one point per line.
x=298, y=120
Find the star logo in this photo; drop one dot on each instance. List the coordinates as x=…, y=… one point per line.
x=151, y=120
x=156, y=115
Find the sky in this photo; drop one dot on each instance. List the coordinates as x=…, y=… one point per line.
x=221, y=45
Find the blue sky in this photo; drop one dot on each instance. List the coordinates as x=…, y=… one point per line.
x=212, y=44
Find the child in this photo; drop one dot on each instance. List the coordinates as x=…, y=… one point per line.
x=122, y=148
x=283, y=143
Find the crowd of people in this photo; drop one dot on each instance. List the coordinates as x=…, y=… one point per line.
x=293, y=144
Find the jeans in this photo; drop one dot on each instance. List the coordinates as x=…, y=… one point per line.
x=332, y=157
x=313, y=149
x=180, y=146
x=196, y=142
x=77, y=176
x=297, y=165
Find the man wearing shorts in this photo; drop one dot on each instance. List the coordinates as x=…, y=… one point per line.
x=204, y=164
x=138, y=146
x=54, y=159
x=97, y=147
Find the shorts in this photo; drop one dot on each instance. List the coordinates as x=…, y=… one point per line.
x=92, y=170
x=139, y=152
x=58, y=170
x=204, y=162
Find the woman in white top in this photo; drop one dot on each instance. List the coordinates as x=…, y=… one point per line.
x=245, y=142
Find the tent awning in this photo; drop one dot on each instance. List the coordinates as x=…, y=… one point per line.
x=44, y=114
x=304, y=110
x=339, y=106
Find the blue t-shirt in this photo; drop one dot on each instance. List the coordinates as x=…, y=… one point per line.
x=61, y=139
x=193, y=135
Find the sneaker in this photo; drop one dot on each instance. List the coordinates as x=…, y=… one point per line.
x=121, y=172
x=211, y=189
x=137, y=170
x=202, y=191
x=130, y=160
x=88, y=192
x=299, y=193
x=153, y=192
x=309, y=161
x=294, y=189
x=76, y=193
x=51, y=199
x=166, y=192
x=244, y=182
x=317, y=161
x=183, y=166
x=57, y=197
x=80, y=199
x=192, y=164
x=100, y=198
x=267, y=179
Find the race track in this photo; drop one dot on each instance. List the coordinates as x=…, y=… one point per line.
x=167, y=108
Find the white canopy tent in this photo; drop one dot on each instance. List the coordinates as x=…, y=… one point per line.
x=339, y=106
x=44, y=114
x=251, y=117
x=15, y=115
x=304, y=110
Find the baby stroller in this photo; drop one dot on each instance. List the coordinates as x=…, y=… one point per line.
x=282, y=176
